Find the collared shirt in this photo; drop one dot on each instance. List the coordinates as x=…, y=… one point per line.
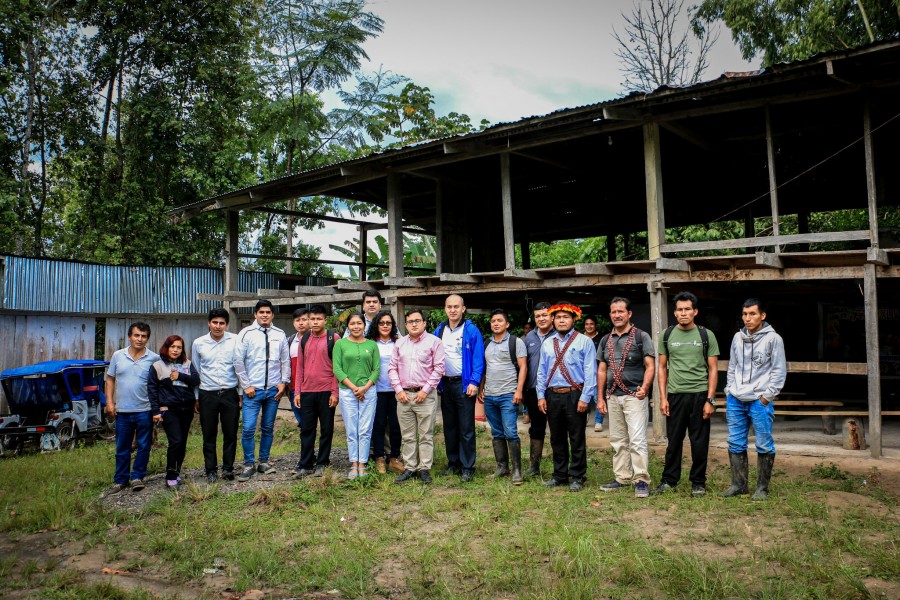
x=416, y=363
x=500, y=375
x=579, y=359
x=633, y=373
x=315, y=370
x=259, y=364
x=214, y=361
x=533, y=342
x=453, y=349
x=131, y=379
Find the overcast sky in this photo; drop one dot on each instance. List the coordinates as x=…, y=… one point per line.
x=504, y=60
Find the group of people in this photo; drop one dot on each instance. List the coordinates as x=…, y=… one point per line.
x=390, y=387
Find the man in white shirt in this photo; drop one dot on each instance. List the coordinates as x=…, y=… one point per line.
x=263, y=365
x=213, y=357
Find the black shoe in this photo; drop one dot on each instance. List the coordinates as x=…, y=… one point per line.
x=405, y=476
x=467, y=476
x=663, y=488
x=320, y=471
x=425, y=476
x=576, y=486
x=698, y=491
x=137, y=485
x=451, y=470
x=228, y=475
x=265, y=468
x=554, y=482
x=301, y=473
x=212, y=477
x=247, y=473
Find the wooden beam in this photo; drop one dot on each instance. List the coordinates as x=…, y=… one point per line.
x=305, y=215
x=877, y=256
x=227, y=297
x=315, y=290
x=796, y=238
x=362, y=286
x=459, y=278
x=688, y=135
x=232, y=275
x=509, y=244
x=403, y=282
x=768, y=259
x=271, y=293
x=592, y=269
x=612, y=113
x=673, y=264
x=317, y=261
x=395, y=223
x=440, y=224
x=522, y=274
x=873, y=373
x=659, y=320
x=347, y=298
x=773, y=180
x=871, y=191
x=656, y=213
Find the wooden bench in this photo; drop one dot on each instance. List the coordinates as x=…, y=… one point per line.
x=827, y=411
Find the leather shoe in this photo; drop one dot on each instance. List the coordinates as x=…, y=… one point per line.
x=425, y=476
x=301, y=473
x=451, y=470
x=576, y=486
x=467, y=476
x=405, y=476
x=553, y=483
x=380, y=465
x=396, y=465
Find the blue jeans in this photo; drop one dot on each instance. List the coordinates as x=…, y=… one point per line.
x=264, y=401
x=598, y=417
x=740, y=416
x=501, y=413
x=294, y=409
x=127, y=425
x=358, y=418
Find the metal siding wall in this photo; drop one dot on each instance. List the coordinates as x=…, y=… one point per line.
x=189, y=328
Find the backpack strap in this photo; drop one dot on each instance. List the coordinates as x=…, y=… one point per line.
x=704, y=339
x=666, y=335
x=512, y=351
x=329, y=335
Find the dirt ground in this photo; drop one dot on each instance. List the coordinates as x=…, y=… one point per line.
x=800, y=445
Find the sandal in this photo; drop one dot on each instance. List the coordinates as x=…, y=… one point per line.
x=354, y=472
x=362, y=471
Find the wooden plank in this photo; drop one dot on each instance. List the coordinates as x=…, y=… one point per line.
x=656, y=219
x=592, y=269
x=871, y=188
x=769, y=259
x=316, y=290
x=870, y=306
x=362, y=286
x=509, y=245
x=773, y=180
x=403, y=282
x=835, y=403
x=272, y=293
x=877, y=256
x=395, y=224
x=821, y=413
x=823, y=367
x=459, y=278
x=232, y=252
x=659, y=320
x=323, y=299
x=522, y=274
x=673, y=264
x=228, y=297
x=797, y=238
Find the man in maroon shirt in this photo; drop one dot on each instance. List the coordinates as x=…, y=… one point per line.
x=315, y=394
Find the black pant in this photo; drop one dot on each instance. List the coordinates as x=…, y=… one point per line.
x=314, y=411
x=686, y=414
x=458, y=413
x=386, y=417
x=567, y=428
x=538, y=428
x=216, y=406
x=177, y=425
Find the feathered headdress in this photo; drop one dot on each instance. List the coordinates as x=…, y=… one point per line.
x=569, y=308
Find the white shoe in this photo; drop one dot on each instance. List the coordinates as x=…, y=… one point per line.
x=598, y=427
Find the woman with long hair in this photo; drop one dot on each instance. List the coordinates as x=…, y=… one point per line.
x=356, y=367
x=170, y=387
x=384, y=333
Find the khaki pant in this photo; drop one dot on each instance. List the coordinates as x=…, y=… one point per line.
x=417, y=430
x=628, y=438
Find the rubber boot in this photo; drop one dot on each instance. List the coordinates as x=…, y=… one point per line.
x=537, y=448
x=764, y=466
x=501, y=453
x=739, y=469
x=515, y=454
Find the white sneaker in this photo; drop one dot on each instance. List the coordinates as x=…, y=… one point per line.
x=598, y=427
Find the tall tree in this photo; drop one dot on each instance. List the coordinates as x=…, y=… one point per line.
x=787, y=30
x=657, y=46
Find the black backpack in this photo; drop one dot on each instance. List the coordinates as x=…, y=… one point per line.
x=639, y=342
x=512, y=348
x=704, y=338
x=329, y=333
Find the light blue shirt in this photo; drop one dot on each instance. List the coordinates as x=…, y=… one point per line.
x=579, y=359
x=131, y=380
x=385, y=349
x=214, y=362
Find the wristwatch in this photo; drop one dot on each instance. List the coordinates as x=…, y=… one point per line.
x=712, y=401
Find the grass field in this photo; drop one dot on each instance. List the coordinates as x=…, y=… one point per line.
x=822, y=534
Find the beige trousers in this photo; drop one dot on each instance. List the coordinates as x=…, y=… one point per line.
x=417, y=430
x=628, y=438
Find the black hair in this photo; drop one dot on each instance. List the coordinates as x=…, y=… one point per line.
x=413, y=311
x=217, y=313
x=685, y=297
x=356, y=313
x=617, y=299
x=300, y=312
x=541, y=306
x=140, y=326
x=370, y=293
x=374, y=333
x=754, y=302
x=317, y=309
x=500, y=311
x=263, y=304
x=591, y=317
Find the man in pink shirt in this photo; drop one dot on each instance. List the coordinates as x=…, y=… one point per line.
x=315, y=393
x=415, y=370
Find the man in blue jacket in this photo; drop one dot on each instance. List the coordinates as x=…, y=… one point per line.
x=463, y=369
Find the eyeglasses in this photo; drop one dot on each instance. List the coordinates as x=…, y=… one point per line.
x=388, y=323
x=414, y=321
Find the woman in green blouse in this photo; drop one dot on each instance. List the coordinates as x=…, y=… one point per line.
x=356, y=366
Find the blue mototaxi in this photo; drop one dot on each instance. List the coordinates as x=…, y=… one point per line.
x=53, y=404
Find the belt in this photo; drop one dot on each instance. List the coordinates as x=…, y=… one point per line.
x=563, y=390
x=453, y=379
x=413, y=390
x=220, y=391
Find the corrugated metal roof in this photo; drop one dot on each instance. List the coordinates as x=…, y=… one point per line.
x=46, y=285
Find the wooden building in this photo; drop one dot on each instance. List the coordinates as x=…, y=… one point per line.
x=788, y=144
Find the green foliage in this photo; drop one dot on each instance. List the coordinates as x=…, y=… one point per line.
x=787, y=30
x=418, y=252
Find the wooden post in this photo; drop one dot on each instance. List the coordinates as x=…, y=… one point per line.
x=509, y=244
x=395, y=226
x=611, y=247
x=656, y=214
x=232, y=276
x=773, y=180
x=870, y=175
x=397, y=309
x=659, y=320
x=873, y=371
x=363, y=251
x=439, y=224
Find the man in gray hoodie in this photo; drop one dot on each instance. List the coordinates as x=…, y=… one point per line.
x=756, y=373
